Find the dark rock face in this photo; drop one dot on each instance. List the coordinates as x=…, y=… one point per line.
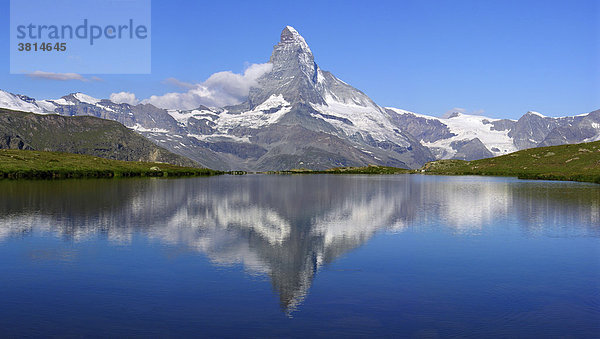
x=26, y=98
x=424, y=129
x=583, y=128
x=81, y=135
x=241, y=150
x=11, y=140
x=191, y=148
x=293, y=146
x=531, y=129
x=471, y=150
x=196, y=126
x=502, y=125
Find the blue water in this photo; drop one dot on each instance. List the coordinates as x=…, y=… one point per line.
x=297, y=256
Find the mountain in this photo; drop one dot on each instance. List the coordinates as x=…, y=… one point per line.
x=582, y=128
x=81, y=135
x=154, y=123
x=485, y=137
x=300, y=116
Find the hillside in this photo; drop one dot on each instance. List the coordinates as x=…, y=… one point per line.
x=81, y=135
x=17, y=164
x=575, y=162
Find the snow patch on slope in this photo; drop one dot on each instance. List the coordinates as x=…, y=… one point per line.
x=365, y=119
x=267, y=113
x=537, y=113
x=63, y=102
x=468, y=127
x=46, y=105
x=472, y=126
x=11, y=101
x=183, y=116
x=86, y=98
x=274, y=101
x=140, y=128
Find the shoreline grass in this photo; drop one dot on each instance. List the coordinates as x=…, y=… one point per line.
x=573, y=162
x=21, y=164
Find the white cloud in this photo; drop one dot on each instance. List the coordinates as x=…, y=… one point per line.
x=220, y=89
x=60, y=76
x=124, y=98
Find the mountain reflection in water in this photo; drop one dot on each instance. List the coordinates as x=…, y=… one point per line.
x=287, y=227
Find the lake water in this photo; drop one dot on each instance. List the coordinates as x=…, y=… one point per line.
x=297, y=256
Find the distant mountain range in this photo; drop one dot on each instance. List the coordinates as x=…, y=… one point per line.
x=300, y=116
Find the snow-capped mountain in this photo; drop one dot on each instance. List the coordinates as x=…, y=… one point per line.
x=23, y=103
x=460, y=136
x=300, y=116
x=470, y=137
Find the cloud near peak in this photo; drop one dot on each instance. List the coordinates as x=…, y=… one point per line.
x=220, y=89
x=124, y=98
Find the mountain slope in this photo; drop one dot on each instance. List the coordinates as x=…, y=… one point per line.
x=80, y=135
x=582, y=128
x=577, y=162
x=20, y=164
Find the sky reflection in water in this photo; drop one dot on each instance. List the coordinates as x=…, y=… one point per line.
x=413, y=255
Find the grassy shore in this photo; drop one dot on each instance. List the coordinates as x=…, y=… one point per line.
x=576, y=162
x=19, y=164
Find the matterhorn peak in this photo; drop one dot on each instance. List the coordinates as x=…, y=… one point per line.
x=291, y=35
x=296, y=76
x=290, y=38
x=294, y=73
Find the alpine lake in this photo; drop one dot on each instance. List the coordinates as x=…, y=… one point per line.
x=300, y=256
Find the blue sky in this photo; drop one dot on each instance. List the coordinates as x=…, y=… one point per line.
x=501, y=58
